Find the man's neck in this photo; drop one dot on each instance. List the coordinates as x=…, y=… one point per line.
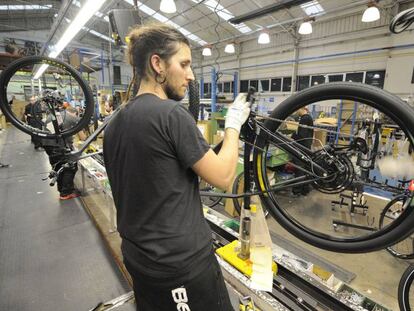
x=152, y=88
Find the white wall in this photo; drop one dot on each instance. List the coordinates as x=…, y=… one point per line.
x=337, y=45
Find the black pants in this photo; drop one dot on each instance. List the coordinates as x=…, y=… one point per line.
x=205, y=291
x=65, y=181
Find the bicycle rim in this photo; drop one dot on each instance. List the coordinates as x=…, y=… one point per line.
x=26, y=64
x=405, y=248
x=311, y=216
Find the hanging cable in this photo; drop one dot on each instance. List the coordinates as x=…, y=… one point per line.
x=402, y=21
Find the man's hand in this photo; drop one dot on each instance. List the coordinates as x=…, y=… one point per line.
x=237, y=113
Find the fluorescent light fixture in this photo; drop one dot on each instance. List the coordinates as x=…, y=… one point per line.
x=305, y=28
x=168, y=6
x=206, y=52
x=371, y=14
x=225, y=14
x=25, y=7
x=99, y=35
x=147, y=10
x=97, y=14
x=263, y=38
x=93, y=32
x=86, y=12
x=312, y=8
x=229, y=48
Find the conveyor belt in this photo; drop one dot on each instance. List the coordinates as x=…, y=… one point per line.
x=292, y=291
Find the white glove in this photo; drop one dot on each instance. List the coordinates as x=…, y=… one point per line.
x=237, y=113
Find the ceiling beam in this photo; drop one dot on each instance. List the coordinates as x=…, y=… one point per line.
x=283, y=4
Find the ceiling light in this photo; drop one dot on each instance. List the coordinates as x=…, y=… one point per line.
x=305, y=28
x=168, y=6
x=85, y=13
x=263, y=38
x=206, y=51
x=229, y=48
x=371, y=14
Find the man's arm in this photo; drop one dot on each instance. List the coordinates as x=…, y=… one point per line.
x=219, y=169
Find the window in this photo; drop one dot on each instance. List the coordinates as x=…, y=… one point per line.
x=302, y=83
x=244, y=86
x=264, y=84
x=336, y=78
x=255, y=84
x=207, y=90
x=315, y=80
x=117, y=75
x=354, y=77
x=312, y=8
x=227, y=87
x=375, y=78
x=220, y=87
x=232, y=86
x=287, y=84
x=276, y=85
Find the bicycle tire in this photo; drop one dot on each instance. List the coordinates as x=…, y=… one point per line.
x=194, y=99
x=8, y=73
x=379, y=99
x=391, y=249
x=404, y=288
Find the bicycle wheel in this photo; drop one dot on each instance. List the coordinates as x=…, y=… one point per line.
x=405, y=290
x=327, y=212
x=405, y=248
x=50, y=83
x=194, y=99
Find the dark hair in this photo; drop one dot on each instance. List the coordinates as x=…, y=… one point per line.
x=145, y=41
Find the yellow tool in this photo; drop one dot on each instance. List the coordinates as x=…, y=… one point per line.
x=230, y=252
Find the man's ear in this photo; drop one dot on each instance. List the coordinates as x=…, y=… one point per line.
x=157, y=64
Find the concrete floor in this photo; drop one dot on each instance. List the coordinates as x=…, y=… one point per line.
x=51, y=255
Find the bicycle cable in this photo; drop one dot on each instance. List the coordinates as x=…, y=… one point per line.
x=402, y=21
x=305, y=126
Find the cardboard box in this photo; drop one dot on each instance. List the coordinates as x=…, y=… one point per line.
x=218, y=137
x=18, y=108
x=319, y=137
x=2, y=121
x=205, y=127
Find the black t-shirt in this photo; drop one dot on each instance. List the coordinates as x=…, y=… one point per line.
x=149, y=149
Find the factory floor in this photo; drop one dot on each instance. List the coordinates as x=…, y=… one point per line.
x=51, y=255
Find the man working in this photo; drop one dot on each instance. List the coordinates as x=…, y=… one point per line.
x=154, y=154
x=303, y=136
x=56, y=149
x=33, y=118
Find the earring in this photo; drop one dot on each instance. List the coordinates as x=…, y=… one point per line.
x=160, y=77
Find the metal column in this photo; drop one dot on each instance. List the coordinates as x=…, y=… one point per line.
x=213, y=89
